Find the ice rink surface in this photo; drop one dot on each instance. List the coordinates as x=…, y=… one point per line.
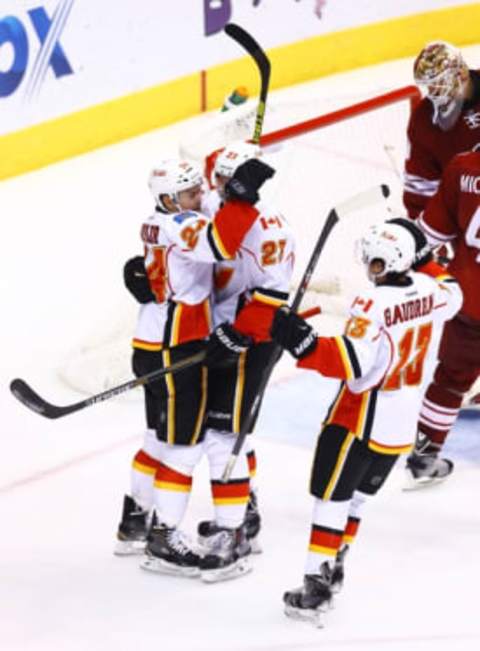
x=412, y=576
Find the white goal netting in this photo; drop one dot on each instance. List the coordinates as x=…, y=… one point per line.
x=317, y=170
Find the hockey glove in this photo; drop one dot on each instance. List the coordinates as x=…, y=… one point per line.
x=136, y=280
x=423, y=250
x=247, y=180
x=293, y=333
x=225, y=345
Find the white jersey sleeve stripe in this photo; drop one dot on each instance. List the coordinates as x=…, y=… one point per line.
x=419, y=185
x=433, y=236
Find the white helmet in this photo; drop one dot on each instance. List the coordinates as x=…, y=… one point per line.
x=390, y=243
x=233, y=156
x=441, y=70
x=171, y=177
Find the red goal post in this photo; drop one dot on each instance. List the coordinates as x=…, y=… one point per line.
x=410, y=93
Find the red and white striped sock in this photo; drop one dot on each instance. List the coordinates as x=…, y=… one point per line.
x=439, y=412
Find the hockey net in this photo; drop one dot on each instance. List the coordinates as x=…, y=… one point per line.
x=320, y=160
x=324, y=151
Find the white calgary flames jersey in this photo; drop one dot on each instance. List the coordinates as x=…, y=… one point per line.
x=179, y=264
x=381, y=358
x=251, y=286
x=180, y=252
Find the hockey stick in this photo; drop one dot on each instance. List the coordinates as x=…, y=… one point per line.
x=30, y=398
x=470, y=408
x=23, y=392
x=253, y=48
x=357, y=202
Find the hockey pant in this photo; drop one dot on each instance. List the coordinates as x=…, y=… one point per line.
x=174, y=409
x=175, y=403
x=231, y=393
x=233, y=389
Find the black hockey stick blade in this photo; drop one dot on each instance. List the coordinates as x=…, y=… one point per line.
x=357, y=202
x=30, y=398
x=26, y=395
x=262, y=61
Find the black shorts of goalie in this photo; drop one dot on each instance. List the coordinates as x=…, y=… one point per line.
x=232, y=389
x=343, y=464
x=175, y=404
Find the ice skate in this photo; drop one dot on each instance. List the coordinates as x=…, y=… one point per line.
x=252, y=523
x=310, y=602
x=426, y=469
x=338, y=572
x=132, y=530
x=169, y=551
x=227, y=556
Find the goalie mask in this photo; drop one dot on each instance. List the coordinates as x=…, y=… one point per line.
x=390, y=244
x=442, y=73
x=170, y=178
x=233, y=156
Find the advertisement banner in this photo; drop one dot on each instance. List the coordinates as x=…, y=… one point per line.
x=61, y=56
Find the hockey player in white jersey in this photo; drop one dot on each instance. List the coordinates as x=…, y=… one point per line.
x=248, y=290
x=181, y=247
x=371, y=421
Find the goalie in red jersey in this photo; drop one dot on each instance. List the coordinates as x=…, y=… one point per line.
x=446, y=122
x=452, y=216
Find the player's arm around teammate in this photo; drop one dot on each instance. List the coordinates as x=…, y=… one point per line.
x=181, y=246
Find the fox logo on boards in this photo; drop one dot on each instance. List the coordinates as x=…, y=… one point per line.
x=48, y=30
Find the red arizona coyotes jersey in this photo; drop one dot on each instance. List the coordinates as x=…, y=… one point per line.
x=430, y=149
x=381, y=358
x=453, y=215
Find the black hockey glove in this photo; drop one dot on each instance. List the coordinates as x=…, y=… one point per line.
x=136, y=280
x=225, y=345
x=247, y=180
x=293, y=333
x=423, y=250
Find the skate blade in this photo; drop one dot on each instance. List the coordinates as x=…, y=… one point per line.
x=161, y=566
x=308, y=615
x=129, y=547
x=418, y=483
x=234, y=571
